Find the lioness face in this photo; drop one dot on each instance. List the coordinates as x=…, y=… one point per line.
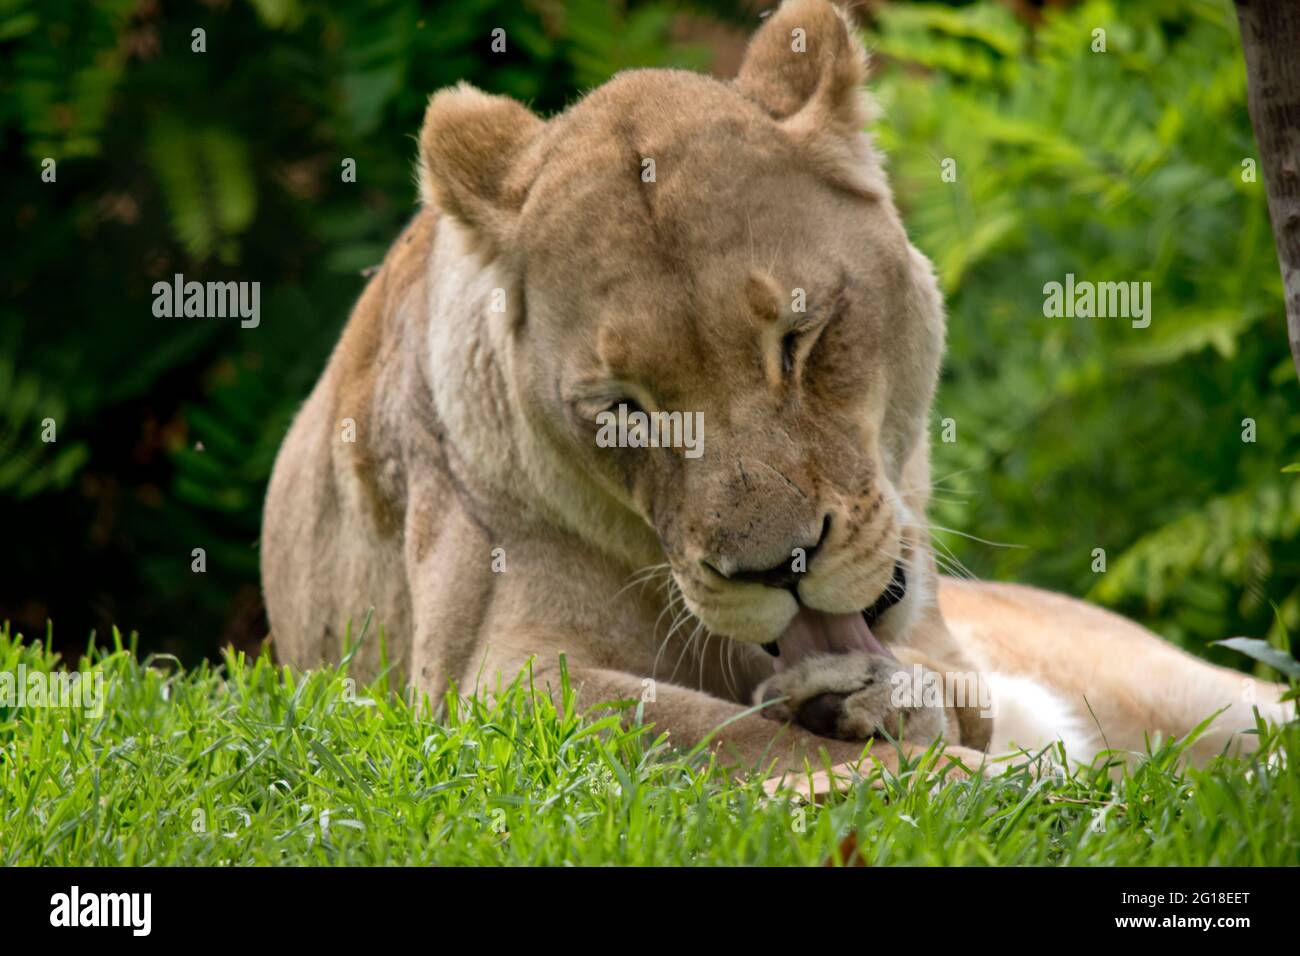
x=730, y=253
x=744, y=292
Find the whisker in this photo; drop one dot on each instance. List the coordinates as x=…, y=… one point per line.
x=643, y=576
x=963, y=534
x=686, y=644
x=669, y=605
x=944, y=555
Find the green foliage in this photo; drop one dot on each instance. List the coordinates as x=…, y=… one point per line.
x=1076, y=434
x=257, y=765
x=24, y=410
x=66, y=65
x=207, y=182
x=1266, y=652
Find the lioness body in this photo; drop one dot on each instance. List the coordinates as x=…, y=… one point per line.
x=444, y=473
x=352, y=526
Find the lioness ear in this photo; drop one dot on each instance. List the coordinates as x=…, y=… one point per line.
x=470, y=147
x=806, y=68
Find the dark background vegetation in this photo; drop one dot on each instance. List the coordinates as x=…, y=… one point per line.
x=1072, y=434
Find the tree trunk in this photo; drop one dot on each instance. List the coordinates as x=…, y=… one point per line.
x=1270, y=38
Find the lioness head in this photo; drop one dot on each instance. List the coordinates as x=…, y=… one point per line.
x=729, y=252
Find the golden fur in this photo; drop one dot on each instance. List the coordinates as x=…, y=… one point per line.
x=476, y=514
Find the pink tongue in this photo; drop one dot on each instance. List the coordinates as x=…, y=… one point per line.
x=815, y=632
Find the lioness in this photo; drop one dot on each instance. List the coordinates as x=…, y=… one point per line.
x=676, y=244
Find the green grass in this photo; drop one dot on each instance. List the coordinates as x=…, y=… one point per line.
x=254, y=764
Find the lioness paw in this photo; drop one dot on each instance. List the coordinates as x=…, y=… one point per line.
x=852, y=696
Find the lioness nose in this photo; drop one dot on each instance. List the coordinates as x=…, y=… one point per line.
x=784, y=575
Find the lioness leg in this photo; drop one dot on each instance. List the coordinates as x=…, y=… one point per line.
x=1123, y=682
x=740, y=736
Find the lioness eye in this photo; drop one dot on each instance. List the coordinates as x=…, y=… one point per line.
x=631, y=403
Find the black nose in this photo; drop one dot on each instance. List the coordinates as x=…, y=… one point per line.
x=781, y=575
